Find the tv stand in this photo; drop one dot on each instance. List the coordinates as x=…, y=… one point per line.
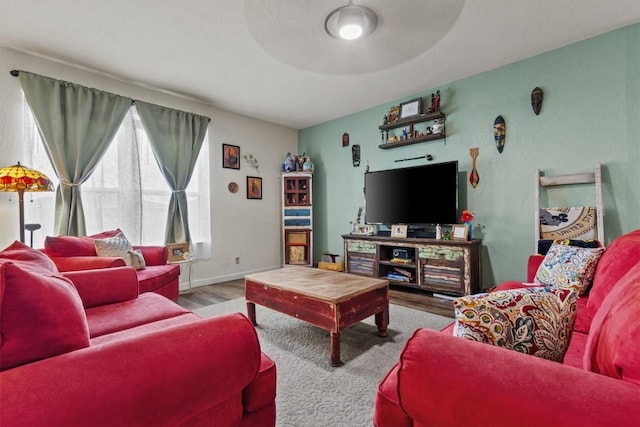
x=448, y=267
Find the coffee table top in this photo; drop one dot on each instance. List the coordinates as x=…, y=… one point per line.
x=314, y=282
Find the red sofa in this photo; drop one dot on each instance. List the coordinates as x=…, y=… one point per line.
x=85, y=348
x=71, y=253
x=443, y=380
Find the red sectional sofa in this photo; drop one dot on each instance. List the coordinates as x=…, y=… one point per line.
x=443, y=380
x=86, y=348
x=71, y=253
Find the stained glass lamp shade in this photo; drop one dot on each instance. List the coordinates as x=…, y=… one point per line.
x=18, y=178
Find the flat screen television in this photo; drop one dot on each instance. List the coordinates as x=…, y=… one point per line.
x=419, y=195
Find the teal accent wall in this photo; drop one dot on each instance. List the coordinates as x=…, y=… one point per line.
x=591, y=113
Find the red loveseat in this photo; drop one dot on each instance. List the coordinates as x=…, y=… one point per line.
x=443, y=380
x=85, y=348
x=71, y=253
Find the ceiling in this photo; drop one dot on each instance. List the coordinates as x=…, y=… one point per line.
x=270, y=59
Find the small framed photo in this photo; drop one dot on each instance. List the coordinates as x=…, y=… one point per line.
x=411, y=108
x=178, y=252
x=398, y=230
x=459, y=232
x=230, y=156
x=254, y=187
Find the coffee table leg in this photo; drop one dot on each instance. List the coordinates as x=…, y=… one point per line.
x=251, y=312
x=335, y=349
x=382, y=320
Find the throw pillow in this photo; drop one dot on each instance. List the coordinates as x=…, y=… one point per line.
x=41, y=315
x=536, y=321
x=137, y=260
x=116, y=246
x=566, y=266
x=62, y=246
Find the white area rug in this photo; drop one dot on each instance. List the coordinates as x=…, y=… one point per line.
x=312, y=393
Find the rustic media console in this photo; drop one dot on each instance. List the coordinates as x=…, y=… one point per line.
x=447, y=267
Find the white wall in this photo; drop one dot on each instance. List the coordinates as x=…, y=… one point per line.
x=249, y=229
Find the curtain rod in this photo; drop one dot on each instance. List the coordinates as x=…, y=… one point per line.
x=16, y=73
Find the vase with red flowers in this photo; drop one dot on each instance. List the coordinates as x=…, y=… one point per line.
x=466, y=219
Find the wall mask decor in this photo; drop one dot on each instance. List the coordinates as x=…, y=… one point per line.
x=355, y=155
x=499, y=132
x=536, y=100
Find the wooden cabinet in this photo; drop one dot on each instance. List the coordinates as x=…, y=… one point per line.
x=410, y=125
x=297, y=219
x=450, y=267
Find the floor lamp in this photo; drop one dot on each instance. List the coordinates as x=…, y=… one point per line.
x=19, y=179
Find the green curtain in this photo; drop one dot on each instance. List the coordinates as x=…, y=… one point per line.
x=76, y=124
x=176, y=138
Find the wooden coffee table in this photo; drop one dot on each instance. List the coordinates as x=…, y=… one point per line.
x=328, y=299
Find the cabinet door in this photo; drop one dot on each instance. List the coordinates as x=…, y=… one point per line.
x=442, y=268
x=361, y=257
x=297, y=191
x=297, y=247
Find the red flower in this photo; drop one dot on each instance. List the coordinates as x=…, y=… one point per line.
x=466, y=216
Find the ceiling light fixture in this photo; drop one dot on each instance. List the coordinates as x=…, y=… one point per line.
x=350, y=22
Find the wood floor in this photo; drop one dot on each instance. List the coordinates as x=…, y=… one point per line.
x=203, y=296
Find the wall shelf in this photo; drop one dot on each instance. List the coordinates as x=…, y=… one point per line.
x=411, y=121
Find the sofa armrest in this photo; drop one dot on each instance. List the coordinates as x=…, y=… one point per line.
x=445, y=380
x=105, y=286
x=75, y=263
x=154, y=255
x=167, y=377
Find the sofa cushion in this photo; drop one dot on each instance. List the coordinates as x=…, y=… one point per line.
x=565, y=265
x=156, y=277
x=612, y=346
x=535, y=320
x=148, y=307
x=115, y=246
x=74, y=246
x=41, y=315
x=621, y=254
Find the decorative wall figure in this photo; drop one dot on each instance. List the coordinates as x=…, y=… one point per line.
x=345, y=139
x=355, y=155
x=474, y=178
x=499, y=132
x=536, y=100
x=252, y=161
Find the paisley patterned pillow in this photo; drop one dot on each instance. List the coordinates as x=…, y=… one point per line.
x=536, y=320
x=565, y=266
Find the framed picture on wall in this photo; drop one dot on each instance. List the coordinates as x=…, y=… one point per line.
x=254, y=187
x=230, y=156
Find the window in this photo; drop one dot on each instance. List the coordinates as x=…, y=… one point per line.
x=126, y=190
